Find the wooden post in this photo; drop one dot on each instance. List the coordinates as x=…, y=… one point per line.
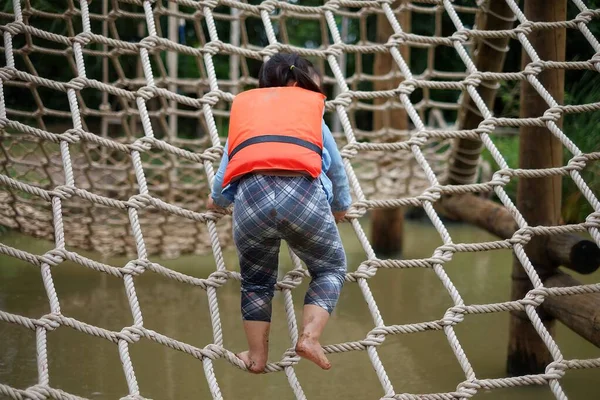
x=575, y=253
x=466, y=153
x=539, y=199
x=172, y=64
x=234, y=59
x=567, y=249
x=104, y=105
x=579, y=312
x=388, y=224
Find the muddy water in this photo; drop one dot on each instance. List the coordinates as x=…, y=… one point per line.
x=417, y=363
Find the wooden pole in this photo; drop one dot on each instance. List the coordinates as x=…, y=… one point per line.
x=539, y=199
x=490, y=56
x=579, y=312
x=105, y=105
x=172, y=64
x=568, y=250
x=388, y=224
x=575, y=253
x=234, y=59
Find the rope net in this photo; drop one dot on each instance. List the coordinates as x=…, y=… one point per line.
x=118, y=176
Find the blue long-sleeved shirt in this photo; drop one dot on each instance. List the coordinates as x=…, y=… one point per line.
x=333, y=177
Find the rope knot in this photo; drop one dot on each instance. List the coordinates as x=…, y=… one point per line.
x=525, y=28
x=298, y=273
x=343, y=99
x=552, y=114
x=418, y=139
x=407, y=86
x=556, y=369
x=217, y=279
x=366, y=270
x=473, y=79
x=440, y=258
x=372, y=340
x=593, y=220
x=534, y=297
x=271, y=50
x=469, y=388
x=78, y=83
x=577, y=163
x=213, y=153
x=287, y=284
x=7, y=73
x=83, y=38
x=521, y=236
x=585, y=16
x=134, y=268
x=212, y=97
x=430, y=195
x=64, y=192
x=331, y=5
x=357, y=210
x=210, y=3
x=130, y=334
x=14, y=28
x=72, y=135
x=213, y=351
x=397, y=39
x=534, y=68
x=141, y=145
x=149, y=42
x=350, y=151
x=139, y=201
x=147, y=92
x=49, y=322
x=336, y=49
x=53, y=257
x=487, y=126
x=460, y=35
x=453, y=316
x=501, y=177
x=268, y=6
x=213, y=47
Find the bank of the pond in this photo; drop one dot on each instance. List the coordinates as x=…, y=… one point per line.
x=416, y=363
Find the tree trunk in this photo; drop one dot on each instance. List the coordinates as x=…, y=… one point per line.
x=537, y=199
x=580, y=312
x=465, y=157
x=388, y=224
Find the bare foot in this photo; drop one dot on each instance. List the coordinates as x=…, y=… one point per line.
x=311, y=350
x=253, y=364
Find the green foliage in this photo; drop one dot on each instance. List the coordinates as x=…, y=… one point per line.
x=582, y=129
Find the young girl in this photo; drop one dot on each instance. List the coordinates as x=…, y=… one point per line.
x=282, y=170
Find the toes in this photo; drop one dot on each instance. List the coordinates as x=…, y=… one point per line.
x=255, y=369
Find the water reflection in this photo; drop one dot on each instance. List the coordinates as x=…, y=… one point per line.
x=417, y=363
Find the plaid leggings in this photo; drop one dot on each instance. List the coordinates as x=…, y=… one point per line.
x=270, y=208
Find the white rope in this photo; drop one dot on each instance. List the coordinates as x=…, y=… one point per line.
x=409, y=157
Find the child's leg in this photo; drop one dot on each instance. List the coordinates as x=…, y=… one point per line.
x=311, y=232
x=257, y=245
x=258, y=266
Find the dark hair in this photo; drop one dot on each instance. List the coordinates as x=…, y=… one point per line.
x=284, y=69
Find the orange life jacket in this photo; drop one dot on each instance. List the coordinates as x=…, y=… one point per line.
x=275, y=129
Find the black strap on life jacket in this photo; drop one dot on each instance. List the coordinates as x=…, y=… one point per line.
x=276, y=139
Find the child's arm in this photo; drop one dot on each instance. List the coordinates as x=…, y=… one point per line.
x=337, y=174
x=216, y=195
